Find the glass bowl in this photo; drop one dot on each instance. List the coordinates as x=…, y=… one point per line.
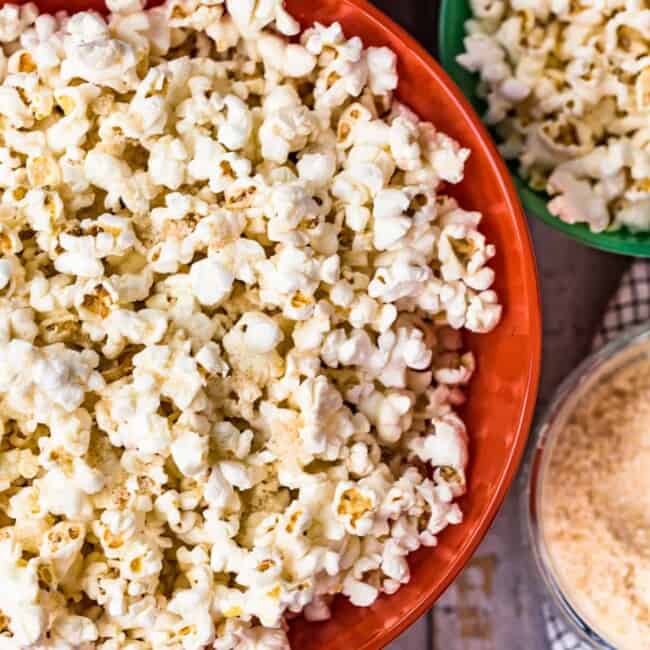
x=453, y=14
x=633, y=345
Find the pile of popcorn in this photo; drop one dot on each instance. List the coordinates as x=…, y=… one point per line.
x=567, y=84
x=230, y=310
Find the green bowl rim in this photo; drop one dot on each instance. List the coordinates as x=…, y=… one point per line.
x=453, y=14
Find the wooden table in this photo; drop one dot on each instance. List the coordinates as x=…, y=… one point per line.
x=495, y=603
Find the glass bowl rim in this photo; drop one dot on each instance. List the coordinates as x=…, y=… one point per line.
x=543, y=436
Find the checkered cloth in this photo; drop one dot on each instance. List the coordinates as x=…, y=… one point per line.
x=630, y=306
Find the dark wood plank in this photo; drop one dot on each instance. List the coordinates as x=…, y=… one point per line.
x=418, y=17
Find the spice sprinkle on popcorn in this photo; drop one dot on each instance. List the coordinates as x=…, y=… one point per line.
x=231, y=303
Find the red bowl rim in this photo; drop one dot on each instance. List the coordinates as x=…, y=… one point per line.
x=461, y=105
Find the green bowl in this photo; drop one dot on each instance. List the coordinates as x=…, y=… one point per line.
x=453, y=14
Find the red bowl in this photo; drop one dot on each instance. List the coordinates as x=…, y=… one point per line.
x=502, y=394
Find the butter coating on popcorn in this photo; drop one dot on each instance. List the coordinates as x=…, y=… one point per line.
x=567, y=86
x=231, y=296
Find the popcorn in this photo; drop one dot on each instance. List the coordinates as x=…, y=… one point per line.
x=25, y=618
x=317, y=168
x=226, y=287
x=326, y=424
x=54, y=375
x=446, y=445
x=14, y=109
x=211, y=281
x=190, y=453
x=401, y=280
x=355, y=507
x=61, y=547
x=382, y=72
x=404, y=143
x=287, y=125
x=92, y=55
x=166, y=162
x=74, y=630
x=290, y=59
x=483, y=312
x=389, y=223
x=575, y=197
x=5, y=273
x=261, y=333
x=360, y=593
x=15, y=19
x=464, y=254
x=359, y=461
x=79, y=257
x=114, y=176
x=555, y=100
x=235, y=131
x=390, y=413
x=252, y=17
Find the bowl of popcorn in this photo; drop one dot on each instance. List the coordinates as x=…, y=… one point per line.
x=565, y=88
x=269, y=326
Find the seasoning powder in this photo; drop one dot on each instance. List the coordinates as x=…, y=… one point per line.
x=596, y=508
